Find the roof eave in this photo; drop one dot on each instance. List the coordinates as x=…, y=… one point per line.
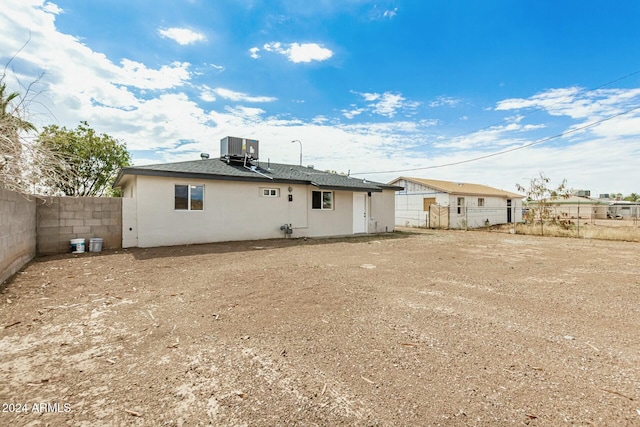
x=205, y=176
x=257, y=178
x=345, y=188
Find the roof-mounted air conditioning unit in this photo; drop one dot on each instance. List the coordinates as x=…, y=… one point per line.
x=238, y=148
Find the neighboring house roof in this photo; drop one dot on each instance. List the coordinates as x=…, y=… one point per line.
x=461, y=188
x=622, y=203
x=217, y=169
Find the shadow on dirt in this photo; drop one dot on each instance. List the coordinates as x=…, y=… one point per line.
x=253, y=245
x=230, y=247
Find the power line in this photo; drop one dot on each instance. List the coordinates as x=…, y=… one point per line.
x=626, y=76
x=548, y=107
x=540, y=141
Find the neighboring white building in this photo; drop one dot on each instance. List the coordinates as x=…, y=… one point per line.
x=620, y=209
x=624, y=210
x=229, y=198
x=445, y=204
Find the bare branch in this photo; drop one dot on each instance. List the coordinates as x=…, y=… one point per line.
x=24, y=164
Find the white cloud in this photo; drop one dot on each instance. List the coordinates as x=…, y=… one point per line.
x=445, y=101
x=587, y=107
x=182, y=36
x=52, y=8
x=296, y=52
x=350, y=114
x=576, y=102
x=390, y=13
x=254, y=52
x=138, y=75
x=387, y=104
x=207, y=94
x=497, y=137
x=308, y=52
x=370, y=96
x=239, y=96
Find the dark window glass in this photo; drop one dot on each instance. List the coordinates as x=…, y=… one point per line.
x=316, y=202
x=182, y=197
x=460, y=205
x=322, y=200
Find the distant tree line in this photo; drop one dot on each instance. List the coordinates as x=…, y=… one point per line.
x=633, y=197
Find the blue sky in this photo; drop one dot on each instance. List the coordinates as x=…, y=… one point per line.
x=380, y=89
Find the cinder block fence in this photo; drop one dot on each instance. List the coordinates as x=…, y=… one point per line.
x=17, y=232
x=34, y=225
x=60, y=219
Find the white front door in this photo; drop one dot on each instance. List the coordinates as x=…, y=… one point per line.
x=359, y=213
x=129, y=222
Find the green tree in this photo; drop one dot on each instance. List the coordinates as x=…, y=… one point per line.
x=633, y=197
x=94, y=159
x=540, y=198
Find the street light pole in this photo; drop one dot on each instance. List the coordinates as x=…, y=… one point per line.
x=299, y=142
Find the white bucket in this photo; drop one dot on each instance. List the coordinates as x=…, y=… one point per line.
x=77, y=246
x=95, y=244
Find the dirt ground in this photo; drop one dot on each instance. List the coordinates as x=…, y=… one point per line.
x=445, y=328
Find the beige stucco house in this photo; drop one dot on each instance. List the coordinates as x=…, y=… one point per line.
x=574, y=207
x=445, y=204
x=225, y=199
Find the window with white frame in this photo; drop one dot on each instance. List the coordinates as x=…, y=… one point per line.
x=322, y=200
x=270, y=192
x=481, y=202
x=189, y=197
x=460, y=205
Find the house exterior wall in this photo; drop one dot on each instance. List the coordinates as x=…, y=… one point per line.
x=382, y=217
x=493, y=212
x=578, y=210
x=410, y=207
x=17, y=232
x=233, y=210
x=410, y=204
x=627, y=210
x=576, y=207
x=336, y=222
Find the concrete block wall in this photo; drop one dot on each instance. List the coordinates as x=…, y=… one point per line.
x=60, y=219
x=17, y=232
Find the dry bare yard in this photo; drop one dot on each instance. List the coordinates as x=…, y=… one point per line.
x=603, y=229
x=443, y=328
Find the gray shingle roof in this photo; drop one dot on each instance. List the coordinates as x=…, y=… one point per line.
x=218, y=169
